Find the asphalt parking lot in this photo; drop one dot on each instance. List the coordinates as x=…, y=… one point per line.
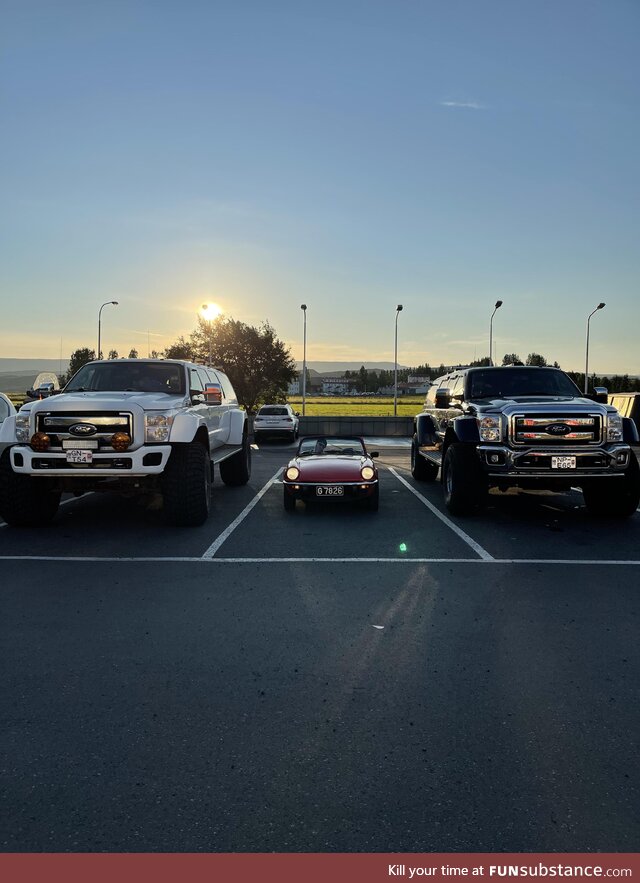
x=328, y=680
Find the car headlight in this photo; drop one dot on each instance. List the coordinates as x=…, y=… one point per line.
x=157, y=426
x=22, y=427
x=614, y=428
x=292, y=473
x=367, y=473
x=490, y=428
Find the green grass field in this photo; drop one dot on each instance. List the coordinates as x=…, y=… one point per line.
x=357, y=406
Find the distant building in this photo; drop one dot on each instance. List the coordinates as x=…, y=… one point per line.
x=337, y=386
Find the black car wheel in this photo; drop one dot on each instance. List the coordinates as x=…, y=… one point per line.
x=465, y=487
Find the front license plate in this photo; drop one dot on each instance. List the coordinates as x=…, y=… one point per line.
x=336, y=491
x=77, y=456
x=563, y=462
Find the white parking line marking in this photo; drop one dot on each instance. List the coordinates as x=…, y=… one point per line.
x=215, y=545
x=454, y=527
x=169, y=560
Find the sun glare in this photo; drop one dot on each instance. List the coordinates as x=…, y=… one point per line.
x=210, y=311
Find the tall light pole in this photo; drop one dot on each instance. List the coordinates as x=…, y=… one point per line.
x=497, y=307
x=395, y=372
x=213, y=309
x=586, y=358
x=115, y=303
x=303, y=307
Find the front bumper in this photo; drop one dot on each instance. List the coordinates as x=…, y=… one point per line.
x=147, y=460
x=360, y=490
x=536, y=462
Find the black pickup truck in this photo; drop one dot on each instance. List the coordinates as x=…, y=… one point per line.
x=524, y=427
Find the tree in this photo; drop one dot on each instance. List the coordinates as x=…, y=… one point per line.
x=113, y=354
x=512, y=359
x=536, y=360
x=78, y=358
x=133, y=354
x=258, y=364
x=181, y=349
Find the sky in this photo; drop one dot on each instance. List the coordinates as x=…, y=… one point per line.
x=350, y=155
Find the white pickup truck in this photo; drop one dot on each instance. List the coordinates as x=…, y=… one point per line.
x=133, y=426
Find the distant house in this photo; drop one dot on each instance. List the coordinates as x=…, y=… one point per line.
x=407, y=389
x=337, y=386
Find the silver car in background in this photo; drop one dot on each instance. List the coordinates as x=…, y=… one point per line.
x=276, y=421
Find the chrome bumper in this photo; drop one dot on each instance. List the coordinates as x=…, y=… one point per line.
x=25, y=461
x=535, y=462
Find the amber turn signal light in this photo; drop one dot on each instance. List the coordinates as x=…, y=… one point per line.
x=40, y=441
x=120, y=441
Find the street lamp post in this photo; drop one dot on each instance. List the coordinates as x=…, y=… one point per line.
x=303, y=307
x=205, y=307
x=395, y=372
x=586, y=358
x=497, y=307
x=115, y=303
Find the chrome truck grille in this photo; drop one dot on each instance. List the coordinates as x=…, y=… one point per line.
x=550, y=429
x=97, y=427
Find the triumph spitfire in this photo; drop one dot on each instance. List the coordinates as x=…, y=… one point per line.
x=331, y=468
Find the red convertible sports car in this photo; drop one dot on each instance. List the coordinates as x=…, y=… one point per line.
x=331, y=468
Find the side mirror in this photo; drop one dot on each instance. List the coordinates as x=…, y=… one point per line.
x=373, y=454
x=197, y=397
x=297, y=413
x=213, y=393
x=600, y=394
x=443, y=397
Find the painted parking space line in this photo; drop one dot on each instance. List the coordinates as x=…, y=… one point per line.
x=477, y=548
x=89, y=559
x=226, y=533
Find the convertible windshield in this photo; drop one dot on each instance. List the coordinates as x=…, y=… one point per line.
x=138, y=377
x=514, y=382
x=329, y=445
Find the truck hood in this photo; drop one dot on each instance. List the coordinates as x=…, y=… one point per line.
x=104, y=401
x=543, y=404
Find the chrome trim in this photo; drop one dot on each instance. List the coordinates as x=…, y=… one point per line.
x=290, y=483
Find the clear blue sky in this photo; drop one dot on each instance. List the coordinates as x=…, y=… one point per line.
x=351, y=155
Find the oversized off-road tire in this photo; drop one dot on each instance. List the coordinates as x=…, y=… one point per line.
x=614, y=497
x=373, y=502
x=465, y=487
x=289, y=501
x=25, y=501
x=186, y=486
x=236, y=470
x=422, y=469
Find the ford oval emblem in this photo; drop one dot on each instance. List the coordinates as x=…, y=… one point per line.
x=83, y=429
x=558, y=429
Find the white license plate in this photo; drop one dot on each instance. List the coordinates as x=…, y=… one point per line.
x=336, y=491
x=78, y=456
x=563, y=462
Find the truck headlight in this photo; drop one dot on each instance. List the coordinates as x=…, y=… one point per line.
x=614, y=428
x=490, y=429
x=157, y=426
x=22, y=427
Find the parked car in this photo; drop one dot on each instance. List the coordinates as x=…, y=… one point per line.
x=6, y=407
x=275, y=420
x=331, y=468
x=137, y=427
x=524, y=427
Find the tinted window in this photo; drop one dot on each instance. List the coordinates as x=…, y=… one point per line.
x=140, y=376
x=273, y=412
x=510, y=382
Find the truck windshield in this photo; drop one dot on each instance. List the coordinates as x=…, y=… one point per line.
x=515, y=382
x=115, y=376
